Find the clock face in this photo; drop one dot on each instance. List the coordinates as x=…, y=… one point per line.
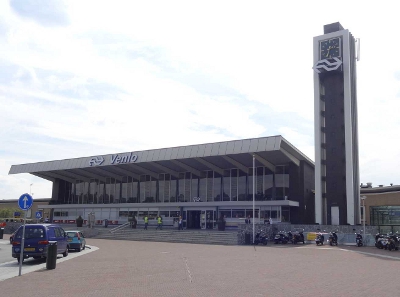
x=330, y=48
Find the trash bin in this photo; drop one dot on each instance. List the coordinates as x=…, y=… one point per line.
x=247, y=238
x=51, y=255
x=1, y=233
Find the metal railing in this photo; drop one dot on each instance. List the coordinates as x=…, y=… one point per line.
x=113, y=230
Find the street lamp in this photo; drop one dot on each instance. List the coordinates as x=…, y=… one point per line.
x=363, y=205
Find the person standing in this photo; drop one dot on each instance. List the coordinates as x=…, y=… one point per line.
x=180, y=224
x=159, y=223
x=248, y=221
x=146, y=222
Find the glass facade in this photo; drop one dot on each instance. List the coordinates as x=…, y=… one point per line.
x=384, y=215
x=211, y=186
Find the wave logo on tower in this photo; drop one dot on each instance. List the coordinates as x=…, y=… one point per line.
x=114, y=159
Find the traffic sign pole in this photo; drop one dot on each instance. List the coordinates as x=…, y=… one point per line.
x=21, y=256
x=25, y=203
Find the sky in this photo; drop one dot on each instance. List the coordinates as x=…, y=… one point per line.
x=86, y=78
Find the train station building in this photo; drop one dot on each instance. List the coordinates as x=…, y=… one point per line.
x=198, y=182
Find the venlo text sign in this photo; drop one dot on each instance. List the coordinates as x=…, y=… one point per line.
x=114, y=159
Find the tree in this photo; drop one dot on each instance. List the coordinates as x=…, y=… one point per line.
x=8, y=212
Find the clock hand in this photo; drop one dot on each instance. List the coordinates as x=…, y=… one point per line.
x=328, y=51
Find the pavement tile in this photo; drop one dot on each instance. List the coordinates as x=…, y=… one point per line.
x=133, y=268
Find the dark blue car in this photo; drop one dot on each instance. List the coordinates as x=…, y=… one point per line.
x=37, y=238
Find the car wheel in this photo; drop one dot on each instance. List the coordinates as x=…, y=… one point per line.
x=80, y=248
x=66, y=252
x=84, y=247
x=18, y=259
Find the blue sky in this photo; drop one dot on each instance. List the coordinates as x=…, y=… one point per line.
x=84, y=78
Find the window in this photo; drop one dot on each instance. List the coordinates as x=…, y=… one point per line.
x=37, y=232
x=225, y=213
x=164, y=214
x=57, y=232
x=238, y=213
x=61, y=213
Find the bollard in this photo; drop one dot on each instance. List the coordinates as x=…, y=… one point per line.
x=1, y=233
x=51, y=255
x=247, y=238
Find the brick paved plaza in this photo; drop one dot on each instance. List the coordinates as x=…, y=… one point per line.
x=129, y=268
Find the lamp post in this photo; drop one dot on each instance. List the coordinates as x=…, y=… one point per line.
x=363, y=205
x=30, y=189
x=254, y=194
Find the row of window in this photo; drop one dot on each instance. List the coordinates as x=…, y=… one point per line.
x=235, y=185
x=264, y=212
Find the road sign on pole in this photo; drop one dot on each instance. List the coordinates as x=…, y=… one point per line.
x=25, y=202
x=38, y=215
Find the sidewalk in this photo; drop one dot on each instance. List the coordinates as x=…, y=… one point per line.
x=10, y=269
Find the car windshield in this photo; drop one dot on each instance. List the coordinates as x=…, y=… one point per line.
x=72, y=234
x=31, y=232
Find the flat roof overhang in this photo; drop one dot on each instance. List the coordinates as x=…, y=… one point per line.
x=269, y=152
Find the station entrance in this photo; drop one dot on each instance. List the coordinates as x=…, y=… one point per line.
x=201, y=219
x=193, y=219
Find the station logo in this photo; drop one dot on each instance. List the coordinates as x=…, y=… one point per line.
x=96, y=161
x=114, y=159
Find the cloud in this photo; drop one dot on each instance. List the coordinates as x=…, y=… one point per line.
x=43, y=12
x=73, y=84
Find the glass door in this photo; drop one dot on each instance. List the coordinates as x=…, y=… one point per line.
x=209, y=219
x=203, y=219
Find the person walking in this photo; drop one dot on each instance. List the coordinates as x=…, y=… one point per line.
x=159, y=223
x=146, y=222
x=180, y=224
x=247, y=221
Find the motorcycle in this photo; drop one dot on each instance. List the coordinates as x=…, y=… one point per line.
x=298, y=237
x=260, y=239
x=333, y=238
x=319, y=239
x=290, y=236
x=381, y=241
x=393, y=242
x=359, y=239
x=281, y=237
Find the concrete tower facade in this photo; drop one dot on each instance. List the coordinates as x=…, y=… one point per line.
x=337, y=194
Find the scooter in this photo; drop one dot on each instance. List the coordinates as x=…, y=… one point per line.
x=333, y=238
x=380, y=241
x=393, y=242
x=281, y=237
x=260, y=239
x=319, y=240
x=359, y=239
x=298, y=237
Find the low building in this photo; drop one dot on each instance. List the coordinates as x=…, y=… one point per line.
x=201, y=183
x=382, y=206
x=39, y=205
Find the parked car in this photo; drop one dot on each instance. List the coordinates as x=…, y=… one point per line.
x=76, y=240
x=37, y=238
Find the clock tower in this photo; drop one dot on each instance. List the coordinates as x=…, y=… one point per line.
x=337, y=193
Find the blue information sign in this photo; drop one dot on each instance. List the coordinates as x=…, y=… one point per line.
x=25, y=202
x=38, y=214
